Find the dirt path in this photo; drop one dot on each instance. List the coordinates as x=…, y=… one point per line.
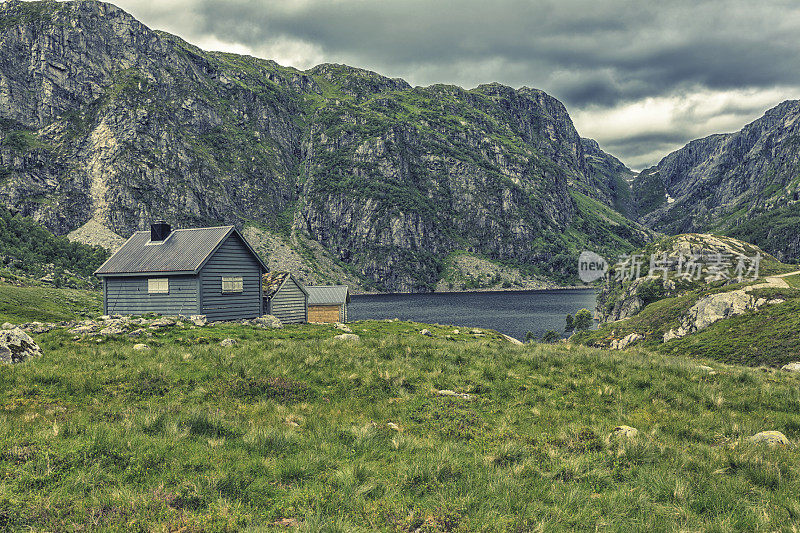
x=775, y=282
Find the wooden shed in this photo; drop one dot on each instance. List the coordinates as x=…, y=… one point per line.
x=285, y=297
x=204, y=271
x=327, y=303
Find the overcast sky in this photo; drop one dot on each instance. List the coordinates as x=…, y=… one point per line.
x=640, y=79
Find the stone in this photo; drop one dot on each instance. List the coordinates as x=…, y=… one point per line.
x=343, y=328
x=16, y=346
x=137, y=332
x=140, y=347
x=771, y=438
x=627, y=432
x=711, y=371
x=347, y=337
x=198, y=320
x=791, y=367
x=7, y=325
x=621, y=344
x=112, y=330
x=229, y=342
x=85, y=329
x=267, y=322
x=512, y=340
x=392, y=425
x=426, y=332
x=456, y=332
x=162, y=322
x=453, y=394
x=476, y=331
x=775, y=301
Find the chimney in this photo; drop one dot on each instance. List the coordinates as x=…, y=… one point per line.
x=159, y=231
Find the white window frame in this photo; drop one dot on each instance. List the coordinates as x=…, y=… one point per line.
x=157, y=285
x=232, y=285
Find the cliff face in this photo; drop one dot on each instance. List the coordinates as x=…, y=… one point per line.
x=743, y=184
x=105, y=122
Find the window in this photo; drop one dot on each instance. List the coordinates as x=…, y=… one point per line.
x=232, y=284
x=158, y=285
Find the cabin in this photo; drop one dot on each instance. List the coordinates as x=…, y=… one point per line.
x=285, y=297
x=327, y=303
x=204, y=271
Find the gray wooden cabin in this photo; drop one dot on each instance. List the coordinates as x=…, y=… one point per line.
x=199, y=271
x=285, y=297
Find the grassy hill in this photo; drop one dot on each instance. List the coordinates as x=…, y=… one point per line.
x=291, y=425
x=44, y=303
x=763, y=336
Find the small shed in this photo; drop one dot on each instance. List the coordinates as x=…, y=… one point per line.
x=328, y=303
x=285, y=297
x=204, y=271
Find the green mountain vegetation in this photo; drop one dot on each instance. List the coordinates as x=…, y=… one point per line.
x=29, y=250
x=381, y=178
x=292, y=427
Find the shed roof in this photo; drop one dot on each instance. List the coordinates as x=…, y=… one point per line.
x=328, y=294
x=273, y=281
x=184, y=251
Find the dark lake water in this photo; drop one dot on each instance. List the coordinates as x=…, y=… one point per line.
x=511, y=312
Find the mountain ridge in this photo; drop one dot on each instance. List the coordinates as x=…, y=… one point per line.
x=109, y=122
x=745, y=184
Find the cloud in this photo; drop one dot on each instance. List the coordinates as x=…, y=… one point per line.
x=626, y=70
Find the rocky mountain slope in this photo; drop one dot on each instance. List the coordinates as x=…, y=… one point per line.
x=744, y=184
x=106, y=124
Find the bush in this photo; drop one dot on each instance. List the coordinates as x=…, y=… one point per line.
x=551, y=336
x=583, y=320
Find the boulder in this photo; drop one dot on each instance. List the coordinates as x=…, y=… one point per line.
x=112, y=330
x=772, y=438
x=85, y=329
x=7, y=325
x=140, y=347
x=791, y=367
x=343, y=328
x=426, y=332
x=198, y=320
x=229, y=342
x=16, y=346
x=267, y=322
x=621, y=344
x=137, y=332
x=627, y=432
x=347, y=337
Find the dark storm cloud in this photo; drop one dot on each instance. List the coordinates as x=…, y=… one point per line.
x=583, y=52
x=599, y=57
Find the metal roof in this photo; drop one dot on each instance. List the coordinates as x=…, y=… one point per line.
x=327, y=294
x=184, y=251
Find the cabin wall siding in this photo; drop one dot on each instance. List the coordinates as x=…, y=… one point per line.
x=325, y=313
x=232, y=258
x=289, y=304
x=129, y=296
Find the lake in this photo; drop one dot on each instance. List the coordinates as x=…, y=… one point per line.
x=511, y=312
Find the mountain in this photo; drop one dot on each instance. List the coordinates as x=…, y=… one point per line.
x=106, y=125
x=744, y=184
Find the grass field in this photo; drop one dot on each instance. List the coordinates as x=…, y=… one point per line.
x=291, y=424
x=46, y=304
